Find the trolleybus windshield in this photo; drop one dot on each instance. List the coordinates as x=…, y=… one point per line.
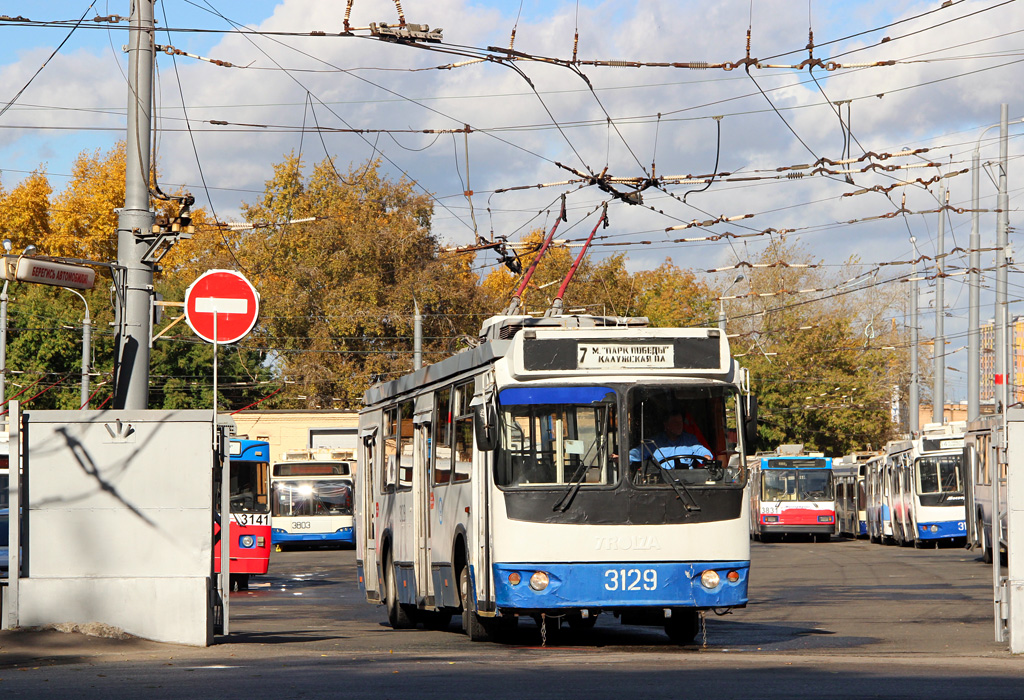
x=795, y=484
x=557, y=435
x=939, y=474
x=688, y=430
x=300, y=498
x=249, y=481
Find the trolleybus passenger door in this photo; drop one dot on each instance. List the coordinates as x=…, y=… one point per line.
x=449, y=494
x=481, y=518
x=420, y=493
x=403, y=515
x=366, y=503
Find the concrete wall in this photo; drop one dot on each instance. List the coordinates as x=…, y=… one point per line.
x=118, y=522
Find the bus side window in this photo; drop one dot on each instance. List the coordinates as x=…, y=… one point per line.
x=390, y=462
x=405, y=445
x=442, y=437
x=462, y=439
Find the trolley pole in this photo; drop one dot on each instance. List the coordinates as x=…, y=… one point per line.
x=135, y=221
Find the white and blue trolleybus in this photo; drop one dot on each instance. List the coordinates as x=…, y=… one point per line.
x=311, y=497
x=534, y=476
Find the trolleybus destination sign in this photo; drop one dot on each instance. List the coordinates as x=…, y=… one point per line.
x=625, y=355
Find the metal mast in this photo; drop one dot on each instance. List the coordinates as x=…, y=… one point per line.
x=135, y=221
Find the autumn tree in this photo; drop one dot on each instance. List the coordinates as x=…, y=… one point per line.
x=339, y=288
x=820, y=380
x=25, y=211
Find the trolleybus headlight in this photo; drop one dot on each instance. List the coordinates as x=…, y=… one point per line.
x=247, y=541
x=514, y=578
x=771, y=518
x=539, y=581
x=732, y=576
x=824, y=518
x=935, y=528
x=709, y=579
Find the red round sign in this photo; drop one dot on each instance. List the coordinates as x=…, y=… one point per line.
x=223, y=300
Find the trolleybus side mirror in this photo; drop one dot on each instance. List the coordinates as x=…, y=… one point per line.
x=485, y=423
x=750, y=421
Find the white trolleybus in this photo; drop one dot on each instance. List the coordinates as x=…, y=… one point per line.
x=926, y=486
x=985, y=471
x=311, y=497
x=792, y=495
x=528, y=477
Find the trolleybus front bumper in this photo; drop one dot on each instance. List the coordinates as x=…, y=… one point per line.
x=828, y=529
x=621, y=585
x=942, y=530
x=344, y=535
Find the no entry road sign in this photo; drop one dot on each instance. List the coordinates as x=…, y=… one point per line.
x=221, y=306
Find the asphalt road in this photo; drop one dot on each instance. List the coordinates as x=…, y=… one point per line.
x=839, y=619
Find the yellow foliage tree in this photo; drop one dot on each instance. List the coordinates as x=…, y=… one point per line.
x=25, y=211
x=83, y=217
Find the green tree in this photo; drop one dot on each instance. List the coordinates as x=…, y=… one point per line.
x=819, y=380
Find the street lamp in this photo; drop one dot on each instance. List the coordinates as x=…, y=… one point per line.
x=721, y=303
x=974, y=282
x=86, y=343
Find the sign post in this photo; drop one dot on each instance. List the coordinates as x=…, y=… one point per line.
x=221, y=306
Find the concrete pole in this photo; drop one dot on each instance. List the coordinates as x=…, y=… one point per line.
x=1001, y=308
x=914, y=419
x=939, y=347
x=974, y=297
x=135, y=221
x=417, y=337
x=3, y=355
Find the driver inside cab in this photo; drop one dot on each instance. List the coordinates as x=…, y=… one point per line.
x=673, y=441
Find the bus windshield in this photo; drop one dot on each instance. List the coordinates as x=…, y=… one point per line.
x=249, y=487
x=796, y=485
x=688, y=430
x=557, y=435
x=940, y=474
x=306, y=498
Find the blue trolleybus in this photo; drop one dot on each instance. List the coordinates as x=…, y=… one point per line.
x=530, y=477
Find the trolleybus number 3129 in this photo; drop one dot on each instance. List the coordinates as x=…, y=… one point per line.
x=631, y=579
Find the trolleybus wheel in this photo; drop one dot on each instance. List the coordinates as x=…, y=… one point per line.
x=472, y=625
x=398, y=616
x=986, y=543
x=683, y=626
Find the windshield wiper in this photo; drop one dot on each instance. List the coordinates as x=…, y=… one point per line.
x=563, y=503
x=689, y=502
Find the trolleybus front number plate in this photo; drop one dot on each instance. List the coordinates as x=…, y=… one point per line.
x=625, y=355
x=631, y=579
x=251, y=518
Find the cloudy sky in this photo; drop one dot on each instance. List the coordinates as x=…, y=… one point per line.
x=535, y=123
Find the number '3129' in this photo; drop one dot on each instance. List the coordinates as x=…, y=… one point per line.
x=631, y=579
